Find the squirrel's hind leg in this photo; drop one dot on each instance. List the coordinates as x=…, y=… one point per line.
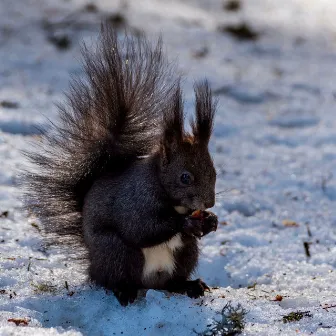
x=186, y=262
x=115, y=266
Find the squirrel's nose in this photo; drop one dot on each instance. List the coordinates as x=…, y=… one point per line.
x=203, y=205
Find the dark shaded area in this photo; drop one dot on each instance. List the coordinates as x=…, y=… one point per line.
x=67, y=31
x=245, y=95
x=91, y=7
x=241, y=31
x=232, y=6
x=60, y=41
x=9, y=104
x=4, y=214
x=117, y=20
x=201, y=53
x=21, y=127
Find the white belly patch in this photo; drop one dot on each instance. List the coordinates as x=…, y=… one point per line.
x=160, y=258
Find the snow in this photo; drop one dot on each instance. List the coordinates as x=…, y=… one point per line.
x=274, y=147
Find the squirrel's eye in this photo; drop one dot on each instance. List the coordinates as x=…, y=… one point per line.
x=186, y=178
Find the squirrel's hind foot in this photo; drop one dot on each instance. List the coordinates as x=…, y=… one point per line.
x=193, y=288
x=125, y=294
x=196, y=288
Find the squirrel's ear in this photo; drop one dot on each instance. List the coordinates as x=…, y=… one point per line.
x=205, y=112
x=173, y=129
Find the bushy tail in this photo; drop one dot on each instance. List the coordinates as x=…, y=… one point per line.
x=111, y=116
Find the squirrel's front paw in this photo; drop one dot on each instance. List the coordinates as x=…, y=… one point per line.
x=200, y=224
x=210, y=223
x=193, y=227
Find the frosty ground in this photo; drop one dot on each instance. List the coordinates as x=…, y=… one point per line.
x=274, y=147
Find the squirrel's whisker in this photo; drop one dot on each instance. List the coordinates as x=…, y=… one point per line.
x=223, y=191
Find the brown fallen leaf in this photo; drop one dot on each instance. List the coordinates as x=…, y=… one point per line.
x=19, y=321
x=278, y=298
x=290, y=223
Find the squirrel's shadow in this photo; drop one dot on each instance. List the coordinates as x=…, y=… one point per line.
x=95, y=312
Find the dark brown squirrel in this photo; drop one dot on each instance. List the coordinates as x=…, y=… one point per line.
x=118, y=176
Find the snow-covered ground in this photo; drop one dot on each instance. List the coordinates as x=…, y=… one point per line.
x=274, y=146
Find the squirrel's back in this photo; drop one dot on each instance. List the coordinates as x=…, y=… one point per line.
x=112, y=116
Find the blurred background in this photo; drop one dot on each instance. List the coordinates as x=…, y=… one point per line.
x=255, y=52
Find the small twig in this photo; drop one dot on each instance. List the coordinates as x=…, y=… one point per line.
x=308, y=230
x=252, y=295
x=253, y=286
x=325, y=180
x=326, y=307
x=223, y=191
x=265, y=291
x=306, y=246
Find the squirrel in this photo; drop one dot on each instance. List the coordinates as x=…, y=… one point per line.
x=119, y=176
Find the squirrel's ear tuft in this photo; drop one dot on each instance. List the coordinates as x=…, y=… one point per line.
x=173, y=124
x=205, y=113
